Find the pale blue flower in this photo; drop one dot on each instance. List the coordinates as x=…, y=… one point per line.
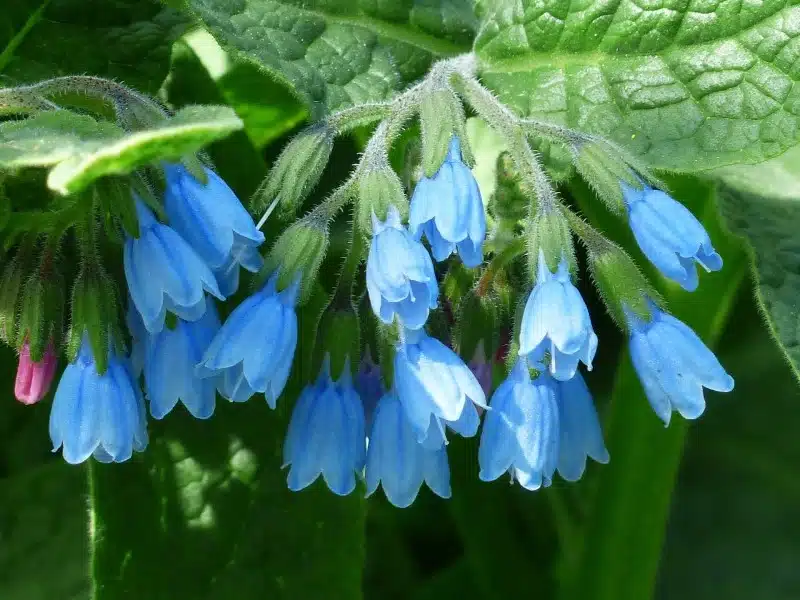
x=326, y=435
x=670, y=236
x=447, y=208
x=94, y=414
x=254, y=349
x=557, y=321
x=398, y=462
x=165, y=274
x=435, y=388
x=400, y=277
x=169, y=372
x=521, y=430
x=674, y=365
x=580, y=435
x=212, y=219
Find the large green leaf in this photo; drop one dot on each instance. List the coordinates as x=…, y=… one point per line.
x=80, y=150
x=687, y=86
x=337, y=53
x=128, y=40
x=762, y=204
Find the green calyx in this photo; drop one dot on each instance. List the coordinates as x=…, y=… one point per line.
x=10, y=287
x=340, y=341
x=441, y=117
x=622, y=286
x=606, y=171
x=42, y=312
x=297, y=256
x=379, y=189
x=297, y=170
x=549, y=236
x=95, y=315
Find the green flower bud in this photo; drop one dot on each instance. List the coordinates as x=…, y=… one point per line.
x=509, y=203
x=42, y=312
x=477, y=323
x=441, y=116
x=548, y=233
x=95, y=313
x=605, y=169
x=297, y=256
x=378, y=189
x=340, y=333
x=297, y=170
x=620, y=283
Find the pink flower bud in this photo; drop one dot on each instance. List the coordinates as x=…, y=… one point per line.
x=34, y=378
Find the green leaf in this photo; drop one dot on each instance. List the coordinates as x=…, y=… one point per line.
x=625, y=529
x=683, y=86
x=81, y=150
x=187, y=132
x=128, y=40
x=335, y=54
x=762, y=204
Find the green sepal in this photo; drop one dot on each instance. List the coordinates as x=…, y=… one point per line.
x=94, y=314
x=41, y=312
x=606, y=168
x=477, y=325
x=296, y=171
x=297, y=255
x=117, y=205
x=378, y=189
x=620, y=283
x=10, y=288
x=549, y=233
x=386, y=337
x=441, y=116
x=340, y=336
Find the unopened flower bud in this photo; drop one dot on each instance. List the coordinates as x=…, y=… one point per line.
x=34, y=377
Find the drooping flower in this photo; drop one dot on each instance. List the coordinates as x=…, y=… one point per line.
x=34, y=378
x=521, y=431
x=169, y=367
x=557, y=321
x=670, y=235
x=212, y=219
x=98, y=414
x=580, y=434
x=326, y=435
x=674, y=365
x=165, y=274
x=254, y=348
x=398, y=462
x=400, y=277
x=447, y=208
x=435, y=388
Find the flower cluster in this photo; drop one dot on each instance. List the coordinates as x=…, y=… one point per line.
x=389, y=426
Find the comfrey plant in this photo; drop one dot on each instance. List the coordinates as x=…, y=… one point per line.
x=175, y=235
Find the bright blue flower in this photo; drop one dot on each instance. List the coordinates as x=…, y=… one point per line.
x=100, y=415
x=580, y=434
x=435, y=388
x=254, y=349
x=165, y=274
x=447, y=208
x=670, y=236
x=214, y=222
x=674, y=365
x=398, y=462
x=400, y=277
x=557, y=321
x=326, y=435
x=169, y=372
x=521, y=430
